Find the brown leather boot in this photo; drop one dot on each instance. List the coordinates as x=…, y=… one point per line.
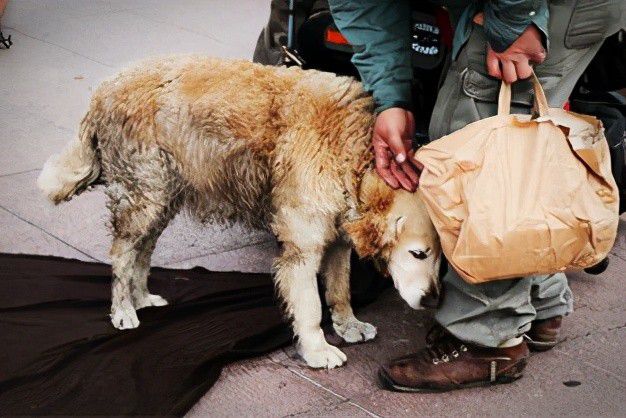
x=544, y=334
x=448, y=363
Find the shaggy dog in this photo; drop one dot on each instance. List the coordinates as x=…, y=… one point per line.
x=273, y=147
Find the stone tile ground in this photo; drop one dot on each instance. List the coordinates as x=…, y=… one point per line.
x=63, y=48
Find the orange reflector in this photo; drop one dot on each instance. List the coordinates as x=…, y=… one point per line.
x=335, y=37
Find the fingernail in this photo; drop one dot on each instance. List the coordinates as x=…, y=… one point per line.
x=400, y=158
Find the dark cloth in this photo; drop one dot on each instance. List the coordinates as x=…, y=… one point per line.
x=60, y=355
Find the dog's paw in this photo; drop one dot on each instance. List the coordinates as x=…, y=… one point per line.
x=325, y=357
x=352, y=330
x=124, y=316
x=148, y=300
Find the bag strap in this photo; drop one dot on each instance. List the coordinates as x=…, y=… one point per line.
x=504, y=98
x=541, y=103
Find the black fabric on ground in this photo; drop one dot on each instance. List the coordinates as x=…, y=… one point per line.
x=60, y=355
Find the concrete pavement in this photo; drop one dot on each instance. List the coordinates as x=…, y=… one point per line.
x=63, y=48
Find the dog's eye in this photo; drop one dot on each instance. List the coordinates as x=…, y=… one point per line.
x=419, y=254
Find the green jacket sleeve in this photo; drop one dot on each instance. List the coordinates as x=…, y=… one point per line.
x=505, y=20
x=379, y=30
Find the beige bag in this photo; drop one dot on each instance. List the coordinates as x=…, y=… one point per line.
x=517, y=195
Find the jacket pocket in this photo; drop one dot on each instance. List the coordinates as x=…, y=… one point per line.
x=483, y=88
x=588, y=23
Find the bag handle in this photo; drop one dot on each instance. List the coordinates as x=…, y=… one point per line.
x=504, y=98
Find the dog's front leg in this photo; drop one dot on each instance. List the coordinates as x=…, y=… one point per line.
x=296, y=280
x=336, y=272
x=297, y=284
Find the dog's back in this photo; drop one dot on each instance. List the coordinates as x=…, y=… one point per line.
x=215, y=124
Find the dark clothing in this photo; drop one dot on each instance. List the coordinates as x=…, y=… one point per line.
x=60, y=355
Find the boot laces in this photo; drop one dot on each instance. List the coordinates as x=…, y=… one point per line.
x=442, y=351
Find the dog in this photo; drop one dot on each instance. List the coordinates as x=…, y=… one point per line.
x=279, y=148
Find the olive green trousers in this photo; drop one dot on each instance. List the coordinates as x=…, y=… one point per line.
x=494, y=313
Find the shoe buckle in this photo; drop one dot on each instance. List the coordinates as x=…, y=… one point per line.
x=492, y=371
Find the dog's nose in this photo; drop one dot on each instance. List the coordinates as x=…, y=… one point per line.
x=431, y=300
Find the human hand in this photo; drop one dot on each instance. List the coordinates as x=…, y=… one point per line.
x=393, y=130
x=515, y=62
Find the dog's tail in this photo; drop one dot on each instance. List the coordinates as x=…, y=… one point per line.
x=69, y=173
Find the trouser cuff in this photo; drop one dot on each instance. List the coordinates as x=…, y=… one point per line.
x=562, y=310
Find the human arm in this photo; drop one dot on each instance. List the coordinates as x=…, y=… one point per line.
x=379, y=31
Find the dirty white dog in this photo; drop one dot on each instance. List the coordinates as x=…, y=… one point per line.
x=273, y=147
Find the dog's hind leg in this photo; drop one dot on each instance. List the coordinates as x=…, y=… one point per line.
x=304, y=237
x=336, y=272
x=124, y=256
x=141, y=211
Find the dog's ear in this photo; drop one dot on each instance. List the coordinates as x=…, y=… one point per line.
x=400, y=222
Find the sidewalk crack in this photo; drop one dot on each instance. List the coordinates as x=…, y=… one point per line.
x=324, y=388
x=51, y=235
x=19, y=172
x=225, y=250
x=59, y=46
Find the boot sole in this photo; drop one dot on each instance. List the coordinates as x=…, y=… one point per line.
x=540, y=346
x=537, y=346
x=514, y=373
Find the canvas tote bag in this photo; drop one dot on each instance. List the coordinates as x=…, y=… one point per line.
x=518, y=195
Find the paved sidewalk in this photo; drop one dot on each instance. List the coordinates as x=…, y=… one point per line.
x=63, y=48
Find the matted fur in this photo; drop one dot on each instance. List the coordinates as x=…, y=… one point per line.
x=232, y=140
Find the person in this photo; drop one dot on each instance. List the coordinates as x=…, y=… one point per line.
x=483, y=332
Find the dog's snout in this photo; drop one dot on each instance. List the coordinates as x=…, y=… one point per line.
x=431, y=299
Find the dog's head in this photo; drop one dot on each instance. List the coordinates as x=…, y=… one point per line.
x=395, y=230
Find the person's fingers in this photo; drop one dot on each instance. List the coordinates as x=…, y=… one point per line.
x=538, y=57
x=493, y=64
x=508, y=71
x=408, y=166
x=410, y=158
x=381, y=152
x=523, y=69
x=388, y=177
x=402, y=178
x=411, y=172
x=396, y=144
x=382, y=158
x=386, y=174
